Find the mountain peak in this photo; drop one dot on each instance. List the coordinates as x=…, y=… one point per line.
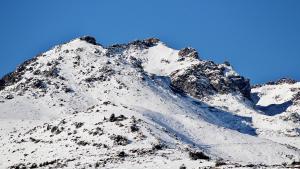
x=116, y=105
x=189, y=52
x=153, y=56
x=89, y=39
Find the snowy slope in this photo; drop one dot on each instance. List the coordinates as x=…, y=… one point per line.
x=135, y=105
x=279, y=102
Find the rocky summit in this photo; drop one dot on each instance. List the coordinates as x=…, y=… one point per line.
x=143, y=104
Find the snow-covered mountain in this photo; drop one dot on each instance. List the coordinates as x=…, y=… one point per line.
x=143, y=105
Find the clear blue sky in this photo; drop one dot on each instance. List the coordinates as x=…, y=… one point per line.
x=261, y=38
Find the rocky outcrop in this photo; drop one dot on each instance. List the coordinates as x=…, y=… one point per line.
x=278, y=82
x=207, y=78
x=188, y=52
x=201, y=79
x=296, y=99
x=151, y=42
x=89, y=39
x=141, y=44
x=145, y=43
x=282, y=81
x=15, y=76
x=292, y=117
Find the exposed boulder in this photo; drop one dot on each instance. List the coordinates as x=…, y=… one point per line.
x=9, y=97
x=182, y=166
x=68, y=90
x=196, y=155
x=114, y=118
x=122, y=154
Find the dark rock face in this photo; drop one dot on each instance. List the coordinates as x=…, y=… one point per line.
x=188, y=52
x=39, y=84
x=89, y=39
x=145, y=43
x=196, y=86
x=278, y=82
x=141, y=44
x=296, y=98
x=282, y=81
x=206, y=78
x=151, y=42
x=15, y=76
x=242, y=84
x=2, y=84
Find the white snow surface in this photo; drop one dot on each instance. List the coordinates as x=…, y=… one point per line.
x=71, y=128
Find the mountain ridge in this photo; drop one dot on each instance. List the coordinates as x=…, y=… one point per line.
x=137, y=101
